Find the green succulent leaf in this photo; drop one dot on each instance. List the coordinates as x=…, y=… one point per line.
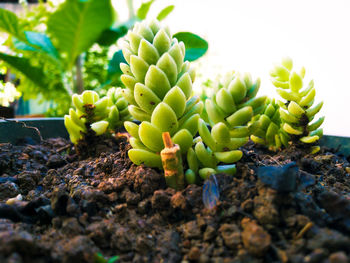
x=141, y=156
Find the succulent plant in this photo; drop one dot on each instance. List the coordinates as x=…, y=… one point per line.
x=269, y=132
x=159, y=90
x=118, y=109
x=95, y=114
x=298, y=111
x=229, y=110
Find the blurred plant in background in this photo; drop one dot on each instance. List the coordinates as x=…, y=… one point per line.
x=8, y=94
x=58, y=50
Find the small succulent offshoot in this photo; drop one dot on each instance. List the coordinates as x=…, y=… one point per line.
x=229, y=110
x=269, y=132
x=94, y=116
x=298, y=111
x=159, y=90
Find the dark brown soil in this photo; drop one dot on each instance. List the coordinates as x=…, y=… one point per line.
x=73, y=209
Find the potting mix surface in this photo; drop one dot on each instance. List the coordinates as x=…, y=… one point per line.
x=90, y=210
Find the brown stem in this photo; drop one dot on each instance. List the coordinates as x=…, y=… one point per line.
x=167, y=140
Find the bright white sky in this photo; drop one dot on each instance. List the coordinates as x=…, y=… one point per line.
x=251, y=35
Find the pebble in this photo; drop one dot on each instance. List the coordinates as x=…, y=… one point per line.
x=71, y=227
x=191, y=230
x=55, y=161
x=194, y=254
x=231, y=235
x=255, y=239
x=338, y=257
x=178, y=201
x=210, y=233
x=329, y=239
x=59, y=201
x=160, y=200
x=316, y=256
x=8, y=190
x=79, y=249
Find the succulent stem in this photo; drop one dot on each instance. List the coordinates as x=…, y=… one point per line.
x=172, y=163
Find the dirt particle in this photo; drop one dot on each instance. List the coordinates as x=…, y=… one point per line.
x=191, y=230
x=194, y=253
x=231, y=235
x=178, y=201
x=8, y=190
x=338, y=257
x=255, y=239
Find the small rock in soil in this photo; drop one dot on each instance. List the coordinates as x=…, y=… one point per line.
x=194, y=254
x=55, y=161
x=71, y=227
x=327, y=238
x=160, y=200
x=255, y=239
x=78, y=249
x=210, y=233
x=231, y=235
x=191, y=230
x=8, y=190
x=338, y=257
x=123, y=240
x=59, y=201
x=178, y=201
x=167, y=247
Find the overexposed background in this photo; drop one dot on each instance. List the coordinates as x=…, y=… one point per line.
x=251, y=35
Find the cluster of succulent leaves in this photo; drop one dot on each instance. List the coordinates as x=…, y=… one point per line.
x=228, y=112
x=297, y=112
x=269, y=132
x=56, y=51
x=95, y=114
x=159, y=90
x=158, y=85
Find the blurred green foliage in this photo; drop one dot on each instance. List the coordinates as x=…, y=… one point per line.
x=57, y=51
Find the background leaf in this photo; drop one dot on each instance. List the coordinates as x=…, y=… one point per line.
x=9, y=23
x=165, y=12
x=196, y=46
x=35, y=74
x=111, y=35
x=76, y=25
x=114, y=63
x=42, y=42
x=143, y=10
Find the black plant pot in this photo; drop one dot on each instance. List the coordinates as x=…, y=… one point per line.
x=19, y=130
x=7, y=112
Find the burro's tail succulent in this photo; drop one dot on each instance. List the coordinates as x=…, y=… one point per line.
x=229, y=110
x=159, y=90
x=94, y=115
x=298, y=111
